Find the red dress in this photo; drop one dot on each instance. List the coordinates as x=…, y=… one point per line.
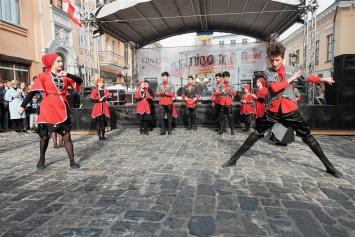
x=259, y=106
x=246, y=107
x=54, y=102
x=143, y=105
x=100, y=108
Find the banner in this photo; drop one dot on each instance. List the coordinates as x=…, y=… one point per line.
x=241, y=60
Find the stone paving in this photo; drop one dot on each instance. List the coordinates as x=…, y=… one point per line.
x=174, y=186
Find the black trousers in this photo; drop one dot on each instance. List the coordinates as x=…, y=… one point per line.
x=292, y=119
x=165, y=111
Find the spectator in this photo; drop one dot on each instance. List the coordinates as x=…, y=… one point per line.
x=15, y=97
x=3, y=104
x=33, y=111
x=25, y=121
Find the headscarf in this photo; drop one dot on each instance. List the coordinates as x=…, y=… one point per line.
x=48, y=60
x=262, y=81
x=140, y=82
x=247, y=87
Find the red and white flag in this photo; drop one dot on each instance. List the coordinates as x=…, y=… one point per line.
x=72, y=11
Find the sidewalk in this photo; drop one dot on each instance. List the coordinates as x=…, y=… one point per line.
x=174, y=186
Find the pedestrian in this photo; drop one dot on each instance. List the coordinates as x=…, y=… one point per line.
x=167, y=109
x=216, y=104
x=190, y=95
x=259, y=99
x=15, y=96
x=153, y=120
x=33, y=109
x=142, y=97
x=226, y=92
x=246, y=110
x=100, y=112
x=55, y=110
x=283, y=107
x=25, y=121
x=3, y=105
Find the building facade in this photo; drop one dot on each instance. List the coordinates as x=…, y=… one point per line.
x=30, y=29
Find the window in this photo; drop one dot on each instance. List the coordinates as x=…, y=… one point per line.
x=81, y=38
x=221, y=42
x=10, y=71
x=113, y=46
x=59, y=4
x=10, y=11
x=330, y=47
x=233, y=41
x=317, y=53
x=244, y=41
x=126, y=54
x=298, y=57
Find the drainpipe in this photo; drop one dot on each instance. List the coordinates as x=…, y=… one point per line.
x=334, y=19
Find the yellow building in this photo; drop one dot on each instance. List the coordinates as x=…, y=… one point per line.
x=335, y=35
x=31, y=28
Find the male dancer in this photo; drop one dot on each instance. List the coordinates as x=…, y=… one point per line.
x=283, y=108
x=226, y=92
x=216, y=101
x=167, y=110
x=190, y=95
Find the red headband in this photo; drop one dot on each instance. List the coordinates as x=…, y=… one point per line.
x=262, y=81
x=140, y=82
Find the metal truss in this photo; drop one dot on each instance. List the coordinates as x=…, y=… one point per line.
x=88, y=24
x=309, y=43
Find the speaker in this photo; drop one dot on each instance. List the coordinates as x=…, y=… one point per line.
x=325, y=117
x=346, y=92
x=307, y=114
x=74, y=119
x=86, y=91
x=85, y=121
x=344, y=67
x=331, y=94
x=346, y=117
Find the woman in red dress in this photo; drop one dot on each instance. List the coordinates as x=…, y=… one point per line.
x=246, y=110
x=142, y=97
x=100, y=111
x=55, y=110
x=259, y=99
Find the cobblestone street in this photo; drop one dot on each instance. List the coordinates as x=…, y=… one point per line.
x=174, y=186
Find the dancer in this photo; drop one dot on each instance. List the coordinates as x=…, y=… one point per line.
x=100, y=111
x=246, y=110
x=153, y=121
x=259, y=99
x=283, y=107
x=226, y=92
x=167, y=109
x=190, y=95
x=55, y=113
x=142, y=97
x=216, y=104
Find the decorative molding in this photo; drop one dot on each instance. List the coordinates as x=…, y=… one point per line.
x=328, y=26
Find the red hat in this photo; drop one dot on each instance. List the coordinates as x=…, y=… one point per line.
x=262, y=81
x=247, y=86
x=48, y=60
x=140, y=82
x=99, y=80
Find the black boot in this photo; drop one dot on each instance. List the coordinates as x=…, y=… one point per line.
x=231, y=125
x=145, y=128
x=103, y=134
x=170, y=121
x=162, y=128
x=222, y=125
x=40, y=163
x=74, y=165
x=248, y=143
x=315, y=147
x=194, y=122
x=189, y=122
x=141, y=131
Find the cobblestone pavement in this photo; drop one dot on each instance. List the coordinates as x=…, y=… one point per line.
x=174, y=186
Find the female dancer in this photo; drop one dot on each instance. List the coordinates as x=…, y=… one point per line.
x=142, y=97
x=246, y=110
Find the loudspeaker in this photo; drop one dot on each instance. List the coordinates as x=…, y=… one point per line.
x=346, y=117
x=85, y=121
x=307, y=114
x=331, y=94
x=74, y=119
x=325, y=117
x=344, y=67
x=86, y=91
x=346, y=92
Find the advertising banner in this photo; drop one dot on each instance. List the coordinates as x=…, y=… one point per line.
x=241, y=60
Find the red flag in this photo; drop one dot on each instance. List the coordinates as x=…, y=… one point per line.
x=72, y=11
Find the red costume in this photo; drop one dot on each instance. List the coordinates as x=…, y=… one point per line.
x=225, y=99
x=100, y=108
x=259, y=105
x=53, y=107
x=216, y=97
x=143, y=105
x=246, y=107
x=168, y=97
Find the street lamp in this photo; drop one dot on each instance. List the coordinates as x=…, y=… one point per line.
x=125, y=70
x=293, y=58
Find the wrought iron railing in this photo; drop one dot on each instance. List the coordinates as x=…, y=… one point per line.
x=108, y=57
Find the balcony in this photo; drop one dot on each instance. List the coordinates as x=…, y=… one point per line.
x=111, y=62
